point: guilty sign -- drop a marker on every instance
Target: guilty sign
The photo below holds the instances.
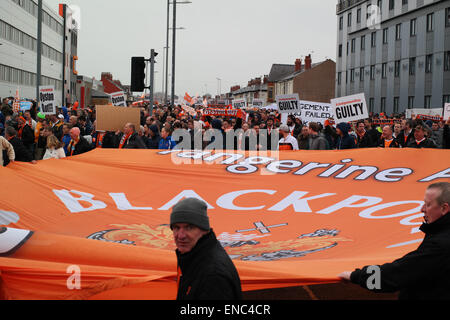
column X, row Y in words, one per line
column 350, row 108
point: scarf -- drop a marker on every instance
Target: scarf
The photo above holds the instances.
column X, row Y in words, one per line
column 72, row 145
column 124, row 140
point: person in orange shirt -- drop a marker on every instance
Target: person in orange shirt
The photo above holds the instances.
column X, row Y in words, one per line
column 387, row 140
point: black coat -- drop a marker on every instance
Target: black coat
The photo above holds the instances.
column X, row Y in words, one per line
column 427, row 143
column 208, row 272
column 364, row 142
column 394, row 144
column 22, row 153
column 446, row 140
column 27, row 136
column 134, row 142
column 81, row 147
column 422, row 274
column 401, row 138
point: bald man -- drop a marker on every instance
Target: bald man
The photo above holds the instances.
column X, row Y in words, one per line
column 78, row 144
column 387, row 139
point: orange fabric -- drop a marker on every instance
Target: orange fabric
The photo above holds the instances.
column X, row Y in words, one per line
column 291, row 228
column 387, row 143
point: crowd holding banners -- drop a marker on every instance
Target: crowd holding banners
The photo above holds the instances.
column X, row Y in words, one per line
column 252, row 129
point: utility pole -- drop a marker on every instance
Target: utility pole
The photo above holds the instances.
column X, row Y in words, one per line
column 167, row 53
column 39, row 51
column 172, row 100
column 153, row 55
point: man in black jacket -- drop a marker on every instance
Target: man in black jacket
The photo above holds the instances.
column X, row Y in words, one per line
column 420, row 140
column 129, row 139
column 207, row 272
column 423, row 273
column 21, row 152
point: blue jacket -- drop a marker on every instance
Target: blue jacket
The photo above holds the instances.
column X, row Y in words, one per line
column 166, row 144
column 346, row 141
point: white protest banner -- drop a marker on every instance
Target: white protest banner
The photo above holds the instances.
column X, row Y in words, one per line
column 240, row 104
column 350, row 108
column 258, row 103
column 288, row 103
column 118, row 99
column 47, row 100
column 424, row 112
column 446, row 111
column 315, row 111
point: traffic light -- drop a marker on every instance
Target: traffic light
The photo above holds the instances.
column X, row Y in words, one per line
column 137, row 74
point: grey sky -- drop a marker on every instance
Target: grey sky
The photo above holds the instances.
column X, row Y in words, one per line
column 234, row 40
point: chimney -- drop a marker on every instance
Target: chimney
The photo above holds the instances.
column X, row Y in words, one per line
column 298, row 65
column 308, row 62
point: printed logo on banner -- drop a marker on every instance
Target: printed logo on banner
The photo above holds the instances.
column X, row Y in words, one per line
column 47, row 100
column 288, row 103
column 246, row 247
column 350, row 108
column 118, row 99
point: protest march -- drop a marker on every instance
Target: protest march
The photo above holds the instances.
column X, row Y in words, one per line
column 93, row 190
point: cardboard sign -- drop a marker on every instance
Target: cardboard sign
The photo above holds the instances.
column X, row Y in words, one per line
column 446, row 111
column 115, row 118
column 350, row 108
column 240, row 104
column 25, row 105
column 118, row 99
column 47, row 100
column 288, row 103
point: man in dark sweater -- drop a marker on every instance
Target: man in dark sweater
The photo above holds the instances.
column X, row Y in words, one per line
column 423, row 273
column 206, row 272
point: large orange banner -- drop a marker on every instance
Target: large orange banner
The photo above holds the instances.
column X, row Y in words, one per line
column 95, row 226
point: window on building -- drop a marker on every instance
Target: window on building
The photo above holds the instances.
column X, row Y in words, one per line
column 358, row 16
column 340, row 50
column 411, row 102
column 383, row 105
column 341, row 23
column 445, row 99
column 352, row 75
column 447, row 61
column 447, row 17
column 385, row 35
column 396, row 104
column 397, row 69
column 349, row 19
column 412, row 27
column 363, row 42
column 412, row 66
column 372, row 72
column 429, row 63
column 339, row 78
column 373, row 39
column 398, row 31
column 404, row 2
column 361, row 74
column 384, row 70
column 427, row 102
column 353, row 45
column 391, row 4
column 346, row 76
column 380, row 4
column 371, row 105
column 430, row 22
column 348, row 47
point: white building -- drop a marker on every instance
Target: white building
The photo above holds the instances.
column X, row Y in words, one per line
column 18, row 49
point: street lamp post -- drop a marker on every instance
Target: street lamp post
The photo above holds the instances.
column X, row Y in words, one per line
column 39, row 50
column 174, row 27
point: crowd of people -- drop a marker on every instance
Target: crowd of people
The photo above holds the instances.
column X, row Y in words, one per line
column 31, row 136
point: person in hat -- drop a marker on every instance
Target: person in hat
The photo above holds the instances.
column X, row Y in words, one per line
column 287, row 142
column 205, row 271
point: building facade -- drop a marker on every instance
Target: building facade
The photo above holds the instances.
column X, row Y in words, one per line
column 18, row 51
column 397, row 52
column 311, row 81
column 256, row 89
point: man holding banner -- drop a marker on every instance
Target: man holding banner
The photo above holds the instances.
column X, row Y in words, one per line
column 423, row 273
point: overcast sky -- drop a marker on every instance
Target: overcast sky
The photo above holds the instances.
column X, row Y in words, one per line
column 234, row 40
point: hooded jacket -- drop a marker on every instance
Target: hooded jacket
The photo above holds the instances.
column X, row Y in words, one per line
column 346, row 141
column 421, row 274
column 207, row 272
